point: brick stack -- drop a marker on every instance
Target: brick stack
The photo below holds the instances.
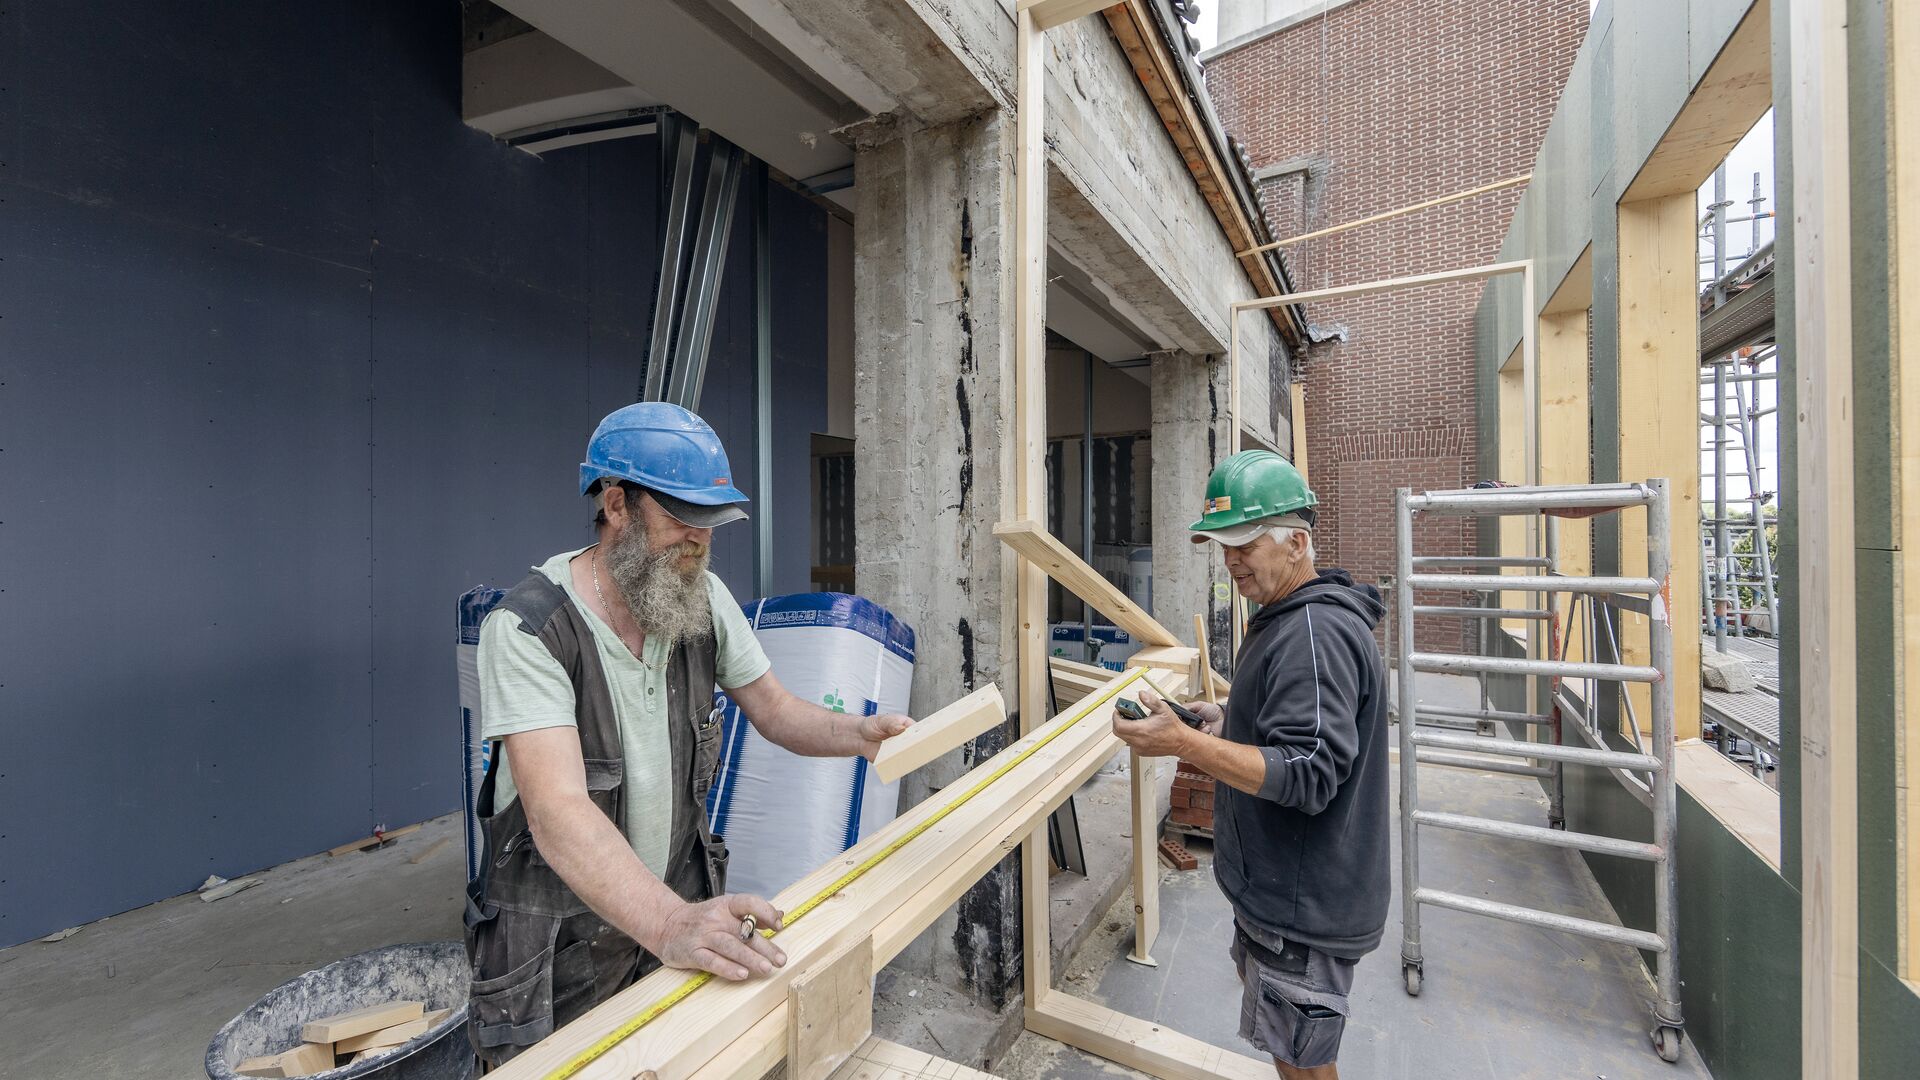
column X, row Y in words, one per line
column 1367, row 106
column 1192, row 800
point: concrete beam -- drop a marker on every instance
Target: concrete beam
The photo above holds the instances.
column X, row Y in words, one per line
column 690, row 57
column 933, row 391
column 1189, row 439
column 531, row 79
column 911, row 64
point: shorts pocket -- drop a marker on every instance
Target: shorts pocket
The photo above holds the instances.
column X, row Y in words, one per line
column 1298, row 1026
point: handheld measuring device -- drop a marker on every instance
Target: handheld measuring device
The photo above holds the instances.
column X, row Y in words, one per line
column 1133, row 710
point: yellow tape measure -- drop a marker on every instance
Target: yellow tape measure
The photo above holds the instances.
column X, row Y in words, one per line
column 680, row 993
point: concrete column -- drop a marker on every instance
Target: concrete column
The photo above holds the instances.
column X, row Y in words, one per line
column 1190, row 437
column 933, row 394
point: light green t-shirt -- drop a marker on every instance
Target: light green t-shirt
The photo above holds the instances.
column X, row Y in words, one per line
column 523, row 688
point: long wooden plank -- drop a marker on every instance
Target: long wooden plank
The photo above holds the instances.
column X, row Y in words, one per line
column 1073, row 681
column 1030, row 445
column 1388, row 215
column 1143, row 810
column 718, row 1014
column 1823, row 380
column 1178, row 658
column 1041, row 549
column 934, row 735
column 1206, row 659
column 1151, row 1048
column 1363, row 288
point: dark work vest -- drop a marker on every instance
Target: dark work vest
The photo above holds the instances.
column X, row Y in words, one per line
column 540, row 956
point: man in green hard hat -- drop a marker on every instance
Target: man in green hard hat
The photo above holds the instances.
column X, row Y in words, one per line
column 1300, row 752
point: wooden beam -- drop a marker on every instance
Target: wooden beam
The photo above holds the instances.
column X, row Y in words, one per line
column 1206, row 658
column 1029, row 452
column 1050, row 558
column 1073, row 681
column 1048, row 14
column 892, row 903
column 1659, row 430
column 1151, row 1048
column 830, row 1012
column 945, row 730
column 1458, row 196
column 1468, row 273
column 1144, row 813
column 1179, row 658
column 1823, row 382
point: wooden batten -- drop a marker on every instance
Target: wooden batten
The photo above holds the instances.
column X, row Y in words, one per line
column 1041, row 549
column 934, row 735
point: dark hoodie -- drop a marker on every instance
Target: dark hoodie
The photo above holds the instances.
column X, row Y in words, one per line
column 1306, row 859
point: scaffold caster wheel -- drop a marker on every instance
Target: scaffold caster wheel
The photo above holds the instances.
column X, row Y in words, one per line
column 1412, row 974
column 1666, row 1041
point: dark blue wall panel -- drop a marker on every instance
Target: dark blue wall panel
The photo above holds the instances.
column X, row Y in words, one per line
column 289, row 358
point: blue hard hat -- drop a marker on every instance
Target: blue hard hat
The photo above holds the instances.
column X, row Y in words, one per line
column 672, row 453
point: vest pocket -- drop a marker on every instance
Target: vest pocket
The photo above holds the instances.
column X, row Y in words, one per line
column 706, row 755
column 604, row 776
column 511, row 1011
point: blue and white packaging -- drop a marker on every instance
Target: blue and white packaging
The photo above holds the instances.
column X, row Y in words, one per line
column 1112, row 645
column 783, row 815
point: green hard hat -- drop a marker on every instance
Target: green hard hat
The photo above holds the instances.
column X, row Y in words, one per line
column 1248, row 489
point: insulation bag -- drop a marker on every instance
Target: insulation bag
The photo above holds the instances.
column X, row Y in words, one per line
column 783, row 815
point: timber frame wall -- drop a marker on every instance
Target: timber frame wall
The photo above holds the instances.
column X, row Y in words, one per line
column 1802, row 929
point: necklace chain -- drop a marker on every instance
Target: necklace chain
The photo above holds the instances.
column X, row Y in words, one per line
column 612, row 619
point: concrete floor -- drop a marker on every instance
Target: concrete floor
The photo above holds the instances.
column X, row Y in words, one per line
column 1499, row 1000
column 140, row 994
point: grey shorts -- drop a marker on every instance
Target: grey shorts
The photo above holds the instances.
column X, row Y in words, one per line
column 1293, row 1004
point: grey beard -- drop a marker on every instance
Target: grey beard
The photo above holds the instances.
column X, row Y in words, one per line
column 663, row 599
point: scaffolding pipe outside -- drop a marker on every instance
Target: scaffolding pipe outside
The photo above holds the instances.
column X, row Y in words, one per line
column 1421, row 745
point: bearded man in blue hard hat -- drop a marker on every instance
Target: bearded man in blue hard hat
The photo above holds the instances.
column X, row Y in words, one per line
column 596, row 687
column 1300, row 812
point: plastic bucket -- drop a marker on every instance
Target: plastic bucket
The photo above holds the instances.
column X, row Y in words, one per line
column 433, row 973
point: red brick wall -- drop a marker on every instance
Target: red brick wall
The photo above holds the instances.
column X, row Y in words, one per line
column 1394, row 102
